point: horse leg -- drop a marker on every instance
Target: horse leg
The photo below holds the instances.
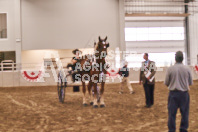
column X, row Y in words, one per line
column 95, row 103
column 84, row 94
column 90, row 93
column 102, row 104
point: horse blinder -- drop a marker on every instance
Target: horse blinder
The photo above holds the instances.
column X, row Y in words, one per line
column 107, row 45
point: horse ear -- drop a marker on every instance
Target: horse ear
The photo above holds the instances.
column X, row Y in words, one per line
column 105, row 38
column 99, row 38
column 94, row 43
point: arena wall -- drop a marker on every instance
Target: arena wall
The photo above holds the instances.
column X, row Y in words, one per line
column 38, row 56
column 68, row 24
column 76, row 24
column 65, row 25
column 15, row 78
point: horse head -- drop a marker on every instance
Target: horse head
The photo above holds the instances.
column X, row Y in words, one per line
column 102, row 45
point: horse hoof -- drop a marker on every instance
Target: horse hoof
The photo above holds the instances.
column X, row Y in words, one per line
column 95, row 106
column 91, row 103
column 102, row 106
column 85, row 105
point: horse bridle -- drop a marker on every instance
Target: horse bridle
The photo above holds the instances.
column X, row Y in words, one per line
column 105, row 45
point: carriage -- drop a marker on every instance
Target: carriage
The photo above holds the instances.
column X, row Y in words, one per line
column 63, row 84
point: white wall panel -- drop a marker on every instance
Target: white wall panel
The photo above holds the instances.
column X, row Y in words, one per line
column 155, row 49
column 154, row 23
column 68, row 24
column 155, row 46
column 8, row 79
column 1, row 78
column 193, row 25
column 7, row 6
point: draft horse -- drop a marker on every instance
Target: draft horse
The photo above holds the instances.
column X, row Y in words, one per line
column 95, row 74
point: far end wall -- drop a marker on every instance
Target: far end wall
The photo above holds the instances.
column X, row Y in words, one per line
column 68, row 24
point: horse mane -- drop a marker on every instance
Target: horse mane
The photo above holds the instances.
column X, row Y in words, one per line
column 86, row 57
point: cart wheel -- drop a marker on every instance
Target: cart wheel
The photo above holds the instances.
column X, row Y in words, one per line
column 61, row 85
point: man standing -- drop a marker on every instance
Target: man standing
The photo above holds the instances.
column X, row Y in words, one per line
column 178, row 79
column 147, row 72
column 124, row 72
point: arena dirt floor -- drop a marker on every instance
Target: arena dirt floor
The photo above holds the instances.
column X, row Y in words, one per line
column 37, row 109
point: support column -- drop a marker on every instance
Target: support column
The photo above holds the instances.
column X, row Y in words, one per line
column 122, row 44
column 193, row 26
column 18, row 44
column 187, row 42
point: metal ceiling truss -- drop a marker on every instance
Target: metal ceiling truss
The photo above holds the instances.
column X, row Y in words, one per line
column 163, row 7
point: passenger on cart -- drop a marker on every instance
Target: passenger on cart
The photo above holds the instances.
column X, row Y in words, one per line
column 74, row 63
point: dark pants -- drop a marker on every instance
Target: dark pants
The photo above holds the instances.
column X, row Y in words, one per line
column 181, row 100
column 73, row 77
column 149, row 93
